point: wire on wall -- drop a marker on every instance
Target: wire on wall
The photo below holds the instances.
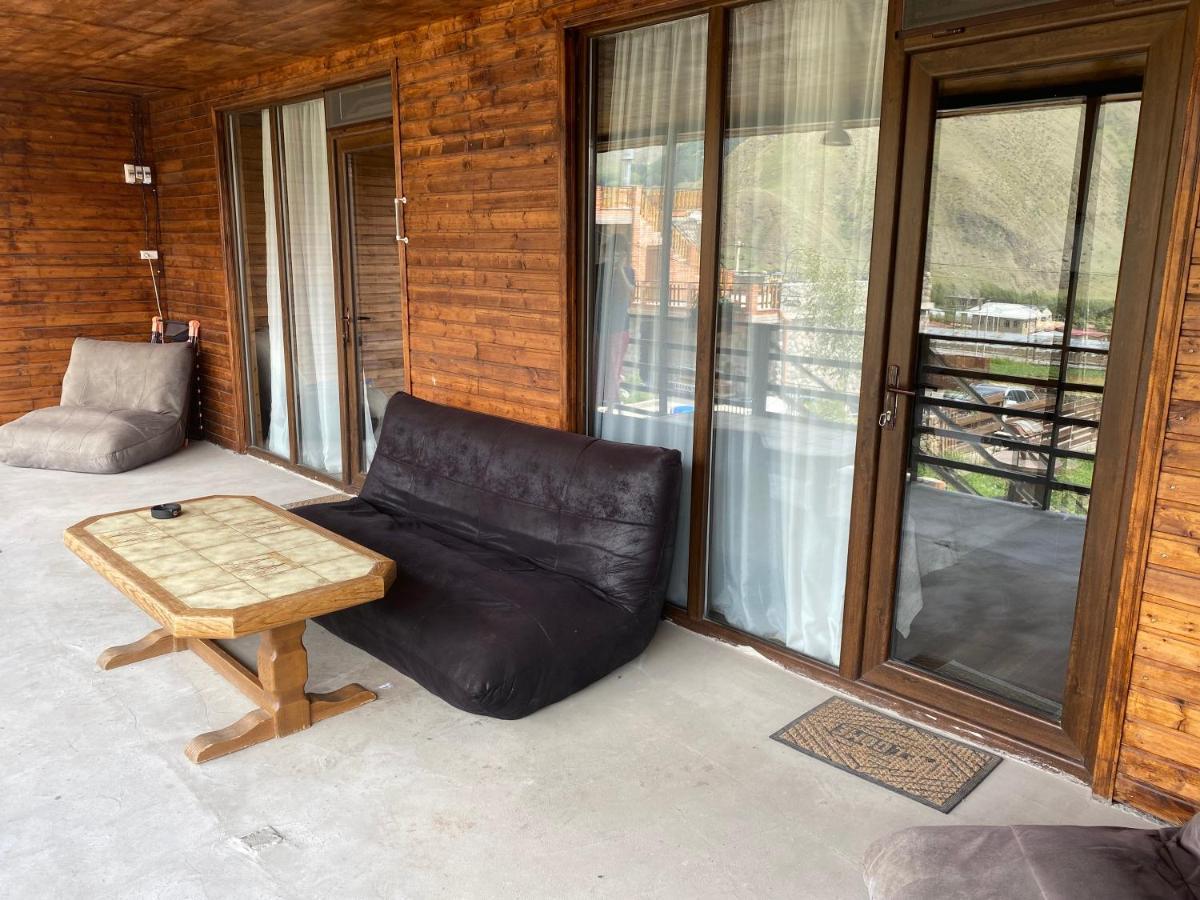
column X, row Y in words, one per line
column 138, row 120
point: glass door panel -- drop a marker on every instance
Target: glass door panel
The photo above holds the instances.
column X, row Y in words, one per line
column 644, row 243
column 1026, row 224
column 798, row 190
column 374, row 311
column 253, row 176
column 315, row 346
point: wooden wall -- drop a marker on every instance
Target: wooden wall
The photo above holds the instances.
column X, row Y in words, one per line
column 481, row 119
column 479, row 106
column 1160, row 753
column 71, row 231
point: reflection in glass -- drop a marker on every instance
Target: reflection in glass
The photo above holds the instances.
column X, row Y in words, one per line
column 645, row 236
column 799, row 164
column 923, row 13
column 1013, row 346
column 258, row 265
column 1104, row 225
column 370, row 178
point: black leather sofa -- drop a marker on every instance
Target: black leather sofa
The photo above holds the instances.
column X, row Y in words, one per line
column 530, row 562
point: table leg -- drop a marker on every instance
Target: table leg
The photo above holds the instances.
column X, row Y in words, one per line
column 285, row 707
column 156, row 643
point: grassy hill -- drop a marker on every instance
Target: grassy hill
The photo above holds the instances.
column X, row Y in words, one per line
column 1000, row 214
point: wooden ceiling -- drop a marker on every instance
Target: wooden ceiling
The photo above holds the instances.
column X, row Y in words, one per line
column 143, row 47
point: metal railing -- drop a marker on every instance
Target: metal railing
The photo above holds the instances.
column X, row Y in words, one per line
column 976, row 430
column 964, row 425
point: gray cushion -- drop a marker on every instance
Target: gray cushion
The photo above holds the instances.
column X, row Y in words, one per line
column 123, row 405
column 122, row 375
column 1054, row 862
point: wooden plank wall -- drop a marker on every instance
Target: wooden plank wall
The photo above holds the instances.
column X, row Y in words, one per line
column 71, row 231
column 479, row 105
column 1159, row 767
column 481, row 121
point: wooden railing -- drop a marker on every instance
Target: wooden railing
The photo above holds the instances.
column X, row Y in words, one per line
column 754, row 298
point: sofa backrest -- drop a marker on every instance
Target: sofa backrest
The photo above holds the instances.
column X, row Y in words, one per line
column 595, row 510
column 116, row 375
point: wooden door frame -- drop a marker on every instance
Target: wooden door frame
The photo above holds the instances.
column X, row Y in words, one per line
column 1155, row 39
column 342, row 142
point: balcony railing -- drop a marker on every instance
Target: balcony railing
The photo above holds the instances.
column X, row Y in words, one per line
column 756, row 298
column 1041, row 449
column 966, row 425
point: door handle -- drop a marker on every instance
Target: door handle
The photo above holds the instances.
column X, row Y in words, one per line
column 893, row 392
column 396, row 203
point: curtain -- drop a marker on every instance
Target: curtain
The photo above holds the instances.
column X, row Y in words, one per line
column 314, row 302
column 370, row 437
column 797, row 209
column 277, row 439
column 646, row 244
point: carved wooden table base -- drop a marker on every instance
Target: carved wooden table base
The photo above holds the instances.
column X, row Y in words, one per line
column 278, row 687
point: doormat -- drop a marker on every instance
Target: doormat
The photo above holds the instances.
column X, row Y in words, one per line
column 316, row 501
column 926, row 767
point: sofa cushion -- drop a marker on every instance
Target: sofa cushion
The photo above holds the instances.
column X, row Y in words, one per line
column 1053, row 862
column 116, row 375
column 597, row 511
column 487, row 631
column 87, row 439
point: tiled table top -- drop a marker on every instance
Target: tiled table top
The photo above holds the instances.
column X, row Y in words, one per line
column 224, row 554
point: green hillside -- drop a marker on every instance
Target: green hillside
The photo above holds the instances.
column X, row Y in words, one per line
column 1000, row 213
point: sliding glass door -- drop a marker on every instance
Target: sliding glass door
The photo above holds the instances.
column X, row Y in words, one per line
column 372, row 285
column 797, row 203
column 280, row 185
column 253, row 165
column 648, row 169
column 316, row 220
column 737, row 338
column 314, row 302
column 299, row 312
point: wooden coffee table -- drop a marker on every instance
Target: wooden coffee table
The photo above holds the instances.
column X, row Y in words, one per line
column 228, row 567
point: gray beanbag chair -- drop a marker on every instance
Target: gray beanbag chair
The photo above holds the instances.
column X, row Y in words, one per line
column 123, row 405
column 1046, row 862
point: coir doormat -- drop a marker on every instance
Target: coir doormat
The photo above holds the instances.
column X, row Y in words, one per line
column 927, row 767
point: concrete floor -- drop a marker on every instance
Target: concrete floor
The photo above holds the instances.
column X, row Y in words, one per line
column 660, row 781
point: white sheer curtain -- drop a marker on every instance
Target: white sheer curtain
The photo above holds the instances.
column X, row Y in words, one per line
column 277, row 440
column 797, row 207
column 649, row 167
column 369, row 436
column 314, row 303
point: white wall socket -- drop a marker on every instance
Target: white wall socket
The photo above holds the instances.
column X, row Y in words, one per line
column 137, row 174
column 149, row 254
